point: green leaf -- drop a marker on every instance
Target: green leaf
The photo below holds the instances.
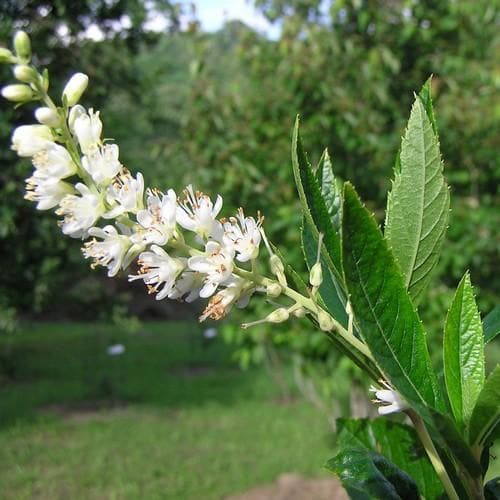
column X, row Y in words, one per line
column 331, row 190
column 491, row 324
column 486, row 414
column 385, row 314
column 313, row 204
column 417, row 207
column 450, row 435
column 399, row 443
column 492, row 489
column 426, row 98
column 463, row 352
column 369, row 475
column 330, row 292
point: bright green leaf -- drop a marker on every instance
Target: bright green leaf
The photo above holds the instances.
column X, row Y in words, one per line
column 385, row 314
column 491, row 324
column 417, row 207
column 486, row 414
column 368, row 475
column 426, row 98
column 331, row 189
column 463, row 352
column 399, row 443
column 313, row 205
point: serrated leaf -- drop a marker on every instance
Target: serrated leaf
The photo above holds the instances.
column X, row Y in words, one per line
column 486, row 414
column 491, row 324
column 331, row 190
column 418, row 205
column 330, row 292
column 463, row 353
column 368, row 475
column 425, row 96
column 385, row 314
column 313, row 204
column 399, row 443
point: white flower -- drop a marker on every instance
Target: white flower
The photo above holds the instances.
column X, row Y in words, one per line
column 88, row 128
column 158, row 220
column 159, row 271
column 30, row 139
column 48, row 116
column 127, row 193
column 46, row 191
column 112, row 252
column 244, row 233
column 197, row 213
column 80, row 212
column 389, row 400
column 187, row 286
column 217, row 264
column 102, row 163
column 53, row 161
column 238, row 291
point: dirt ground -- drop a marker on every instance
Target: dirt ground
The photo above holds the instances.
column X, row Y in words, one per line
column 295, row 487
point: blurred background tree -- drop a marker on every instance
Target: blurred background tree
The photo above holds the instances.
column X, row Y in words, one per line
column 216, row 110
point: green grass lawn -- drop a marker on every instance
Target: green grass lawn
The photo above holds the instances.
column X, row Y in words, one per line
column 170, row 418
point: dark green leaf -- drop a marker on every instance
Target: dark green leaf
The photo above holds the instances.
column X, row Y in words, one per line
column 463, row 352
column 418, row 205
column 486, row 414
column 491, row 324
column 330, row 292
column 313, row 204
column 456, row 443
column 366, row 475
column 399, row 443
column 385, row 314
column 492, row 489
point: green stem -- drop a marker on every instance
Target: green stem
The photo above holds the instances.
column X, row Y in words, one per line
column 432, row 453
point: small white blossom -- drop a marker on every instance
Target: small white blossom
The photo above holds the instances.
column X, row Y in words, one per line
column 47, row 116
column 88, row 128
column 187, row 286
column 80, row 212
column 158, row 220
column 46, row 191
column 53, row 161
column 244, row 233
column 236, row 292
column 159, row 271
column 112, row 252
column 217, row 264
column 102, row 163
column 389, row 400
column 126, row 193
column 197, row 213
column 28, row 140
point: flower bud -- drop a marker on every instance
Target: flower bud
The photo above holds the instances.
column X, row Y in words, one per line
column 22, row 46
column 277, row 266
column 17, row 93
column 325, row 321
column 278, row 316
column 273, row 290
column 75, row 88
column 25, row 73
column 300, row 312
column 48, row 116
column 316, row 275
column 6, row 56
